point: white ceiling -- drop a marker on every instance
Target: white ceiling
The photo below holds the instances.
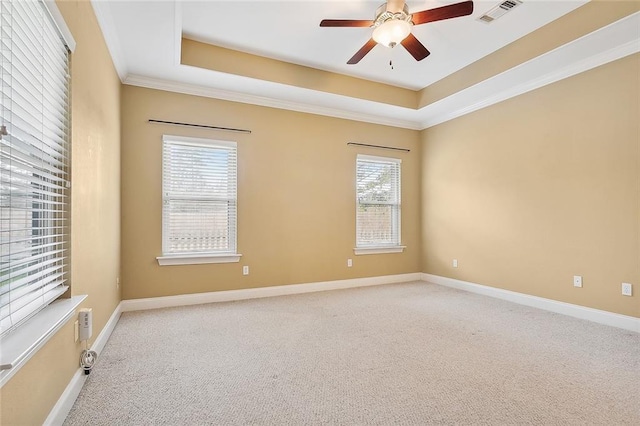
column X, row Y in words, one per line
column 144, row 40
column 290, row 31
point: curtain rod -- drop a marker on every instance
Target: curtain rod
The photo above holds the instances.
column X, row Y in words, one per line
column 379, row 146
column 203, row 126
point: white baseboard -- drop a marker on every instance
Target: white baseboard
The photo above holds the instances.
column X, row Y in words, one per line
column 602, row 317
column 103, row 337
column 68, row 397
column 255, row 293
column 59, row 412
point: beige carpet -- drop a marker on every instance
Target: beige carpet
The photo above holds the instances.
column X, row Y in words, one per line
column 406, row 354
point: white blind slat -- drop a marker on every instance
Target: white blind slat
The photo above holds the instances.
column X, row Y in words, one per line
column 27, row 297
column 17, row 137
column 31, row 259
column 10, row 154
column 34, row 161
column 25, row 171
column 14, row 143
column 199, row 197
column 18, row 288
column 23, row 249
column 24, row 181
column 21, row 311
column 378, row 201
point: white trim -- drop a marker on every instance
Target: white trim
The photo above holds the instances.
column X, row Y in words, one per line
column 378, row 250
column 26, row 340
column 245, row 98
column 595, row 315
column 597, row 48
column 379, row 159
column 199, row 141
column 380, row 247
column 59, row 412
column 68, row 397
column 197, row 259
column 171, row 257
column 103, row 337
column 52, row 7
column 616, row 41
column 177, row 33
column 102, row 10
column 256, row 293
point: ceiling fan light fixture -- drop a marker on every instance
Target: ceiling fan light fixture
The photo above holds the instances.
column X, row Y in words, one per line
column 393, row 23
column 391, row 32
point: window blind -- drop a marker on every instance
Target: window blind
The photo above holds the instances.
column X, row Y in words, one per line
column 199, row 196
column 34, row 161
column 378, row 201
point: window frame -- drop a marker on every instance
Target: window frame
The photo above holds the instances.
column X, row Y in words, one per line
column 381, row 248
column 204, row 257
column 27, row 337
column 37, row 158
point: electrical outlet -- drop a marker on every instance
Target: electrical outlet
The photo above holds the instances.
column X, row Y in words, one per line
column 349, row 263
column 76, row 331
column 117, row 282
column 577, row 281
column 245, row 270
column 455, row 263
column 627, row 289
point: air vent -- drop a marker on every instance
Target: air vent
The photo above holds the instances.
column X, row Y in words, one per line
column 499, row 10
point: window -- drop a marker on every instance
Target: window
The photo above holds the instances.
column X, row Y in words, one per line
column 199, row 181
column 378, row 205
column 34, row 161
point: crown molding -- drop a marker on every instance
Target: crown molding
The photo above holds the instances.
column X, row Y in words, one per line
column 614, row 41
column 609, row 43
column 215, row 93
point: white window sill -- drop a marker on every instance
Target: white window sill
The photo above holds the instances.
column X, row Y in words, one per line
column 20, row 345
column 198, row 259
column 378, row 250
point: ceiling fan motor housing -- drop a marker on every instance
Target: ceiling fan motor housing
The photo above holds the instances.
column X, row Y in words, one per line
column 383, row 15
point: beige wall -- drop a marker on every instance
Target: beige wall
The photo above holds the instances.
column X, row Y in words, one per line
column 578, row 23
column 216, row 58
column 296, row 200
column 524, row 194
column 536, row 189
column 95, row 214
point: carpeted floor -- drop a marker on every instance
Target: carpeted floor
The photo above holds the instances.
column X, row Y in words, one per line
column 410, row 354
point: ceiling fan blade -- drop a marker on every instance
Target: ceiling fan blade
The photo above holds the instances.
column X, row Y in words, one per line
column 363, row 51
column 345, row 23
column 444, row 12
column 413, row 46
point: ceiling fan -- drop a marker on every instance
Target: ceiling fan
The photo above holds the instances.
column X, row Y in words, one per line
column 392, row 26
